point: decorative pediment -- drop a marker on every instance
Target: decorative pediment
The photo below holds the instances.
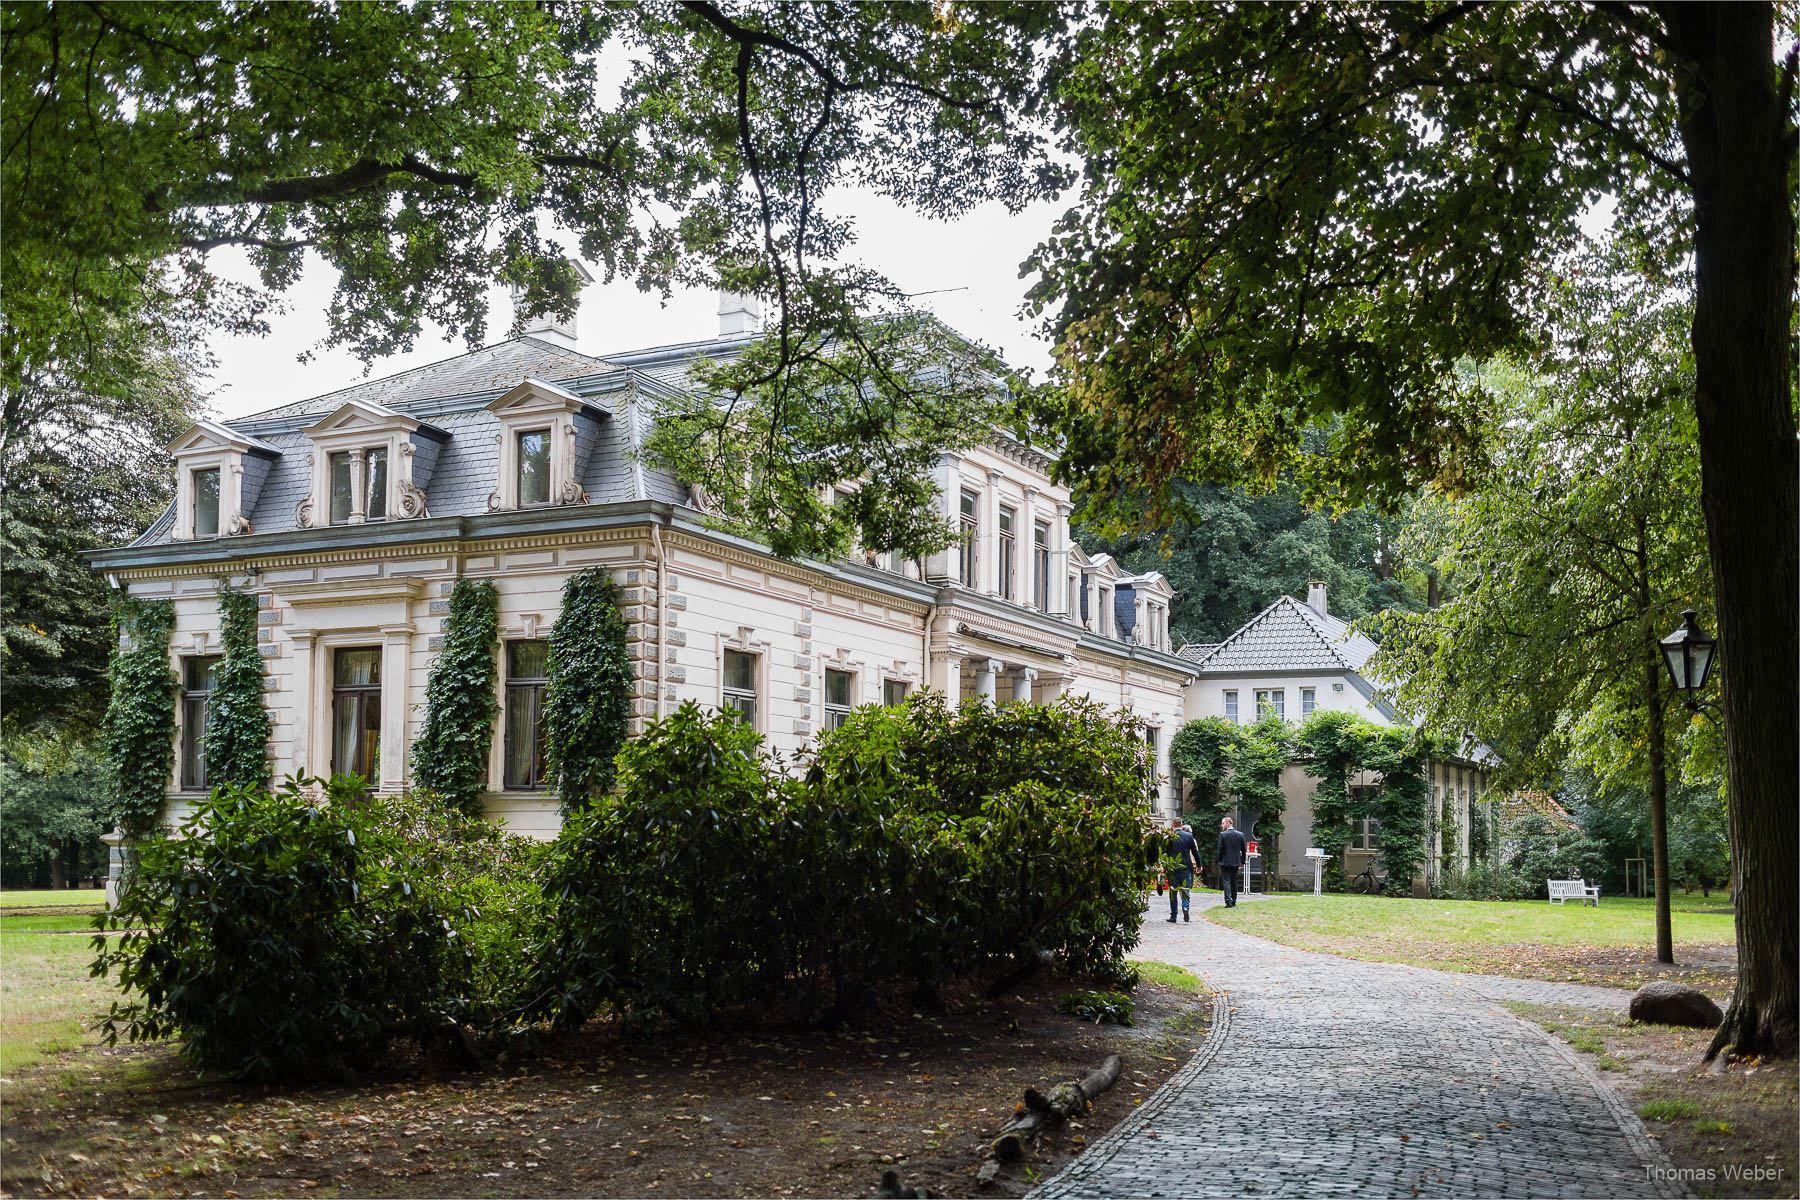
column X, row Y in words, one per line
column 203, row 437
column 360, row 417
column 535, row 397
column 1104, row 567
column 1151, row 583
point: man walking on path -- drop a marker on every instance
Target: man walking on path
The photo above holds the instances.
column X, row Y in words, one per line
column 1231, row 858
column 1185, row 852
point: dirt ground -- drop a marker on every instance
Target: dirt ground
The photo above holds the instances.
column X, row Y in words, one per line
column 605, row 1113
column 1732, row 1130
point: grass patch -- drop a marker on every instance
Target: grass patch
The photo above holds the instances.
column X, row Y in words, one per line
column 1470, row 922
column 75, row 899
column 1170, row 976
column 1612, row 946
column 43, row 922
column 47, row 999
column 1668, row 1110
column 1588, row 1041
column 1710, row 1125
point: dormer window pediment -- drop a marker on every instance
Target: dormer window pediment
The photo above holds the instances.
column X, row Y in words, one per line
column 218, row 474
column 547, row 434
column 369, row 463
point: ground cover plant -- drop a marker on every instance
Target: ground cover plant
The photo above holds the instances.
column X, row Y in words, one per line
column 1728, row 1127
column 1612, row 946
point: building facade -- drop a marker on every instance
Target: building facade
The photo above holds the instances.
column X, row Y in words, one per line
column 1295, row 658
column 353, row 514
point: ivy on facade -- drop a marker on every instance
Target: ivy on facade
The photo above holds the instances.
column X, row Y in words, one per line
column 1235, row 766
column 451, row 756
column 237, row 722
column 140, row 717
column 1337, row 746
column 587, row 704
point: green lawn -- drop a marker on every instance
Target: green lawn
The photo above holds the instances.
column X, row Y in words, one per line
column 81, row 899
column 1611, row 945
column 47, row 1001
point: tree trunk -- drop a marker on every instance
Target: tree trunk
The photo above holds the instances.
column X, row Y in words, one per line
column 1738, row 139
column 1065, row 1101
column 1659, row 801
column 57, row 880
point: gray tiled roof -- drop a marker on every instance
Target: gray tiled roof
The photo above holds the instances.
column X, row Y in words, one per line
column 1197, row 651
column 498, row 366
column 1288, row 636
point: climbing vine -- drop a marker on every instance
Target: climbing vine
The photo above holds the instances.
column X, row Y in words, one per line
column 1331, row 742
column 1202, row 752
column 451, row 755
column 1397, row 756
column 140, row 718
column 1231, row 765
column 1266, row 750
column 237, row 723
column 1447, row 831
column 587, row 704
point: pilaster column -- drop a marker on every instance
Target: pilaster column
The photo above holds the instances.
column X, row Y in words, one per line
column 990, row 536
column 395, row 653
column 1059, row 561
column 946, row 676
column 304, row 705
column 358, row 486
column 944, row 566
column 1027, row 535
column 986, row 671
column 1023, row 678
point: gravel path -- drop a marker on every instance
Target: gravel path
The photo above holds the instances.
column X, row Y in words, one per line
column 1327, row 1076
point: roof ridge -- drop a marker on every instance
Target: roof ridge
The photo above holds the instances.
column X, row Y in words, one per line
column 1310, row 616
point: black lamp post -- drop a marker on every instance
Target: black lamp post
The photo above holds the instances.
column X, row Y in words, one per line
column 1688, row 653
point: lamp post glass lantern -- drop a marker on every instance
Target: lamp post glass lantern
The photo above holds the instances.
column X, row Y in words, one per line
column 1688, row 653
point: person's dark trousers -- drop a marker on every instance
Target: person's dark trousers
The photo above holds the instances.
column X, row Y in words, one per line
column 1228, row 880
column 1181, row 880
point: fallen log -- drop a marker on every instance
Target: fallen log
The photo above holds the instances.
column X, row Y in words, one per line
column 1065, row 1101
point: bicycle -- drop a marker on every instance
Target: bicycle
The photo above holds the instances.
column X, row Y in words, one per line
column 1366, row 884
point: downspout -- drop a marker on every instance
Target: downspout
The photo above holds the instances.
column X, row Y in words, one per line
column 662, row 607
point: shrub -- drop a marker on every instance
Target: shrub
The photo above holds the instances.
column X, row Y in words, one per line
column 918, row 844
column 287, row 934
column 1479, row 882
column 1098, row 1007
column 1541, row 851
column 451, row 755
column 237, row 722
column 587, row 703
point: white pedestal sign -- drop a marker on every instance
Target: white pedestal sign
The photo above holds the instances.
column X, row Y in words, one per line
column 1318, row 857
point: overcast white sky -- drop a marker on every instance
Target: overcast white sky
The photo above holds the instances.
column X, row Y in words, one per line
column 980, row 254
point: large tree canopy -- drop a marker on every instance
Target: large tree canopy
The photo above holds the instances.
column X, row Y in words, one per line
column 1299, row 217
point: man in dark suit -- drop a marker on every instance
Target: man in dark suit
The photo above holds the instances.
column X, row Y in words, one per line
column 1184, row 858
column 1231, row 860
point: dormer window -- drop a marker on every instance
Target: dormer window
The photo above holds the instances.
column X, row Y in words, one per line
column 369, row 464
column 547, row 434
column 206, row 503
column 534, row 467
column 219, row 474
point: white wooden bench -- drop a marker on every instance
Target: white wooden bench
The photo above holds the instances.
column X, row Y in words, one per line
column 1572, row 889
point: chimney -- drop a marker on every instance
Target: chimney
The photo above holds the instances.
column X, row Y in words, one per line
column 1315, row 596
column 739, row 314
column 547, row 327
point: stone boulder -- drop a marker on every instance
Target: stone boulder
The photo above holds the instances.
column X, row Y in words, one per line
column 1667, row 1003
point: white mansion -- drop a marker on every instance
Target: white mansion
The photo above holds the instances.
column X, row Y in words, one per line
column 352, row 514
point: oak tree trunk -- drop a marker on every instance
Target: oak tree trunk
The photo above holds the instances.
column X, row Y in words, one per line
column 1740, row 148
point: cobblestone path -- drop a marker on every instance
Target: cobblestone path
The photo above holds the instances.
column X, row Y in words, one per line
column 1324, row 1076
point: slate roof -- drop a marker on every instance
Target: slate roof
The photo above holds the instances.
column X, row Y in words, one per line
column 498, row 366
column 1289, row 635
column 1196, row 652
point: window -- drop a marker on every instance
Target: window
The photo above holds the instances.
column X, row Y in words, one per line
column 341, row 488
column 1103, row 618
column 200, row 674
column 534, row 467
column 1008, row 552
column 971, row 529
column 838, row 686
column 356, row 712
column 375, row 471
column 1275, row 699
column 527, row 675
column 893, row 691
column 1307, row 701
column 1231, row 712
column 1150, row 746
column 206, row 503
column 1085, row 583
column 740, row 685
column 1365, row 834
column 1040, row 565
